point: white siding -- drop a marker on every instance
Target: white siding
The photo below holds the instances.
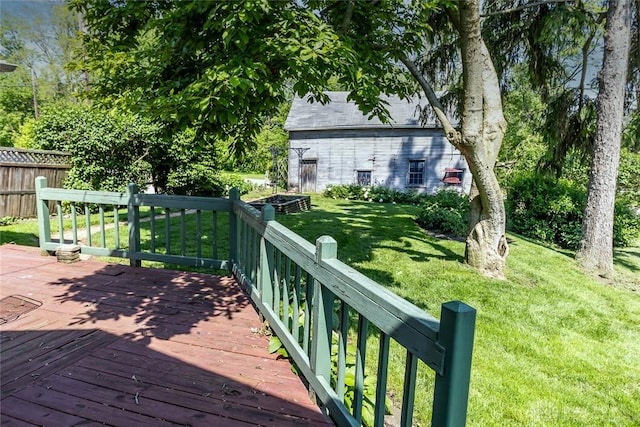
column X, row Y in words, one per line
column 385, row 152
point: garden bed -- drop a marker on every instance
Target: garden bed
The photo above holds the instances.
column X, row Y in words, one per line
column 284, row 203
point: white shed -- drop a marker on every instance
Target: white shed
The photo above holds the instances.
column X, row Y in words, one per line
column 336, row 143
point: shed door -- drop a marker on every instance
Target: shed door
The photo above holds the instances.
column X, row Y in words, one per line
column 309, row 173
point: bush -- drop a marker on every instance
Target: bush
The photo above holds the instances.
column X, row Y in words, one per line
column 372, row 194
column 626, row 224
column 445, row 212
column 551, row 210
column 108, row 151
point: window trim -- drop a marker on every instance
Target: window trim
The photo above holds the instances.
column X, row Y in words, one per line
column 359, row 171
column 411, row 174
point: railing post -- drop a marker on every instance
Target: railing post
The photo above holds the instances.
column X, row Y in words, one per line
column 234, row 196
column 133, row 219
column 265, row 263
column 322, row 315
column 42, row 208
column 451, row 394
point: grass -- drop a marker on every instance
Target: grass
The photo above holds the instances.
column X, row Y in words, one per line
column 553, row 346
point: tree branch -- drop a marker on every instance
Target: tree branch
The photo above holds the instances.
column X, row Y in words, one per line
column 452, row 134
column 347, row 17
column 524, row 6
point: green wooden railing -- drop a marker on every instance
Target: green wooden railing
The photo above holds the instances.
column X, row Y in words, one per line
column 323, row 311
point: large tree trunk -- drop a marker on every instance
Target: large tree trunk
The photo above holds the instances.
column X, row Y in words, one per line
column 483, row 127
column 479, row 140
column 595, row 253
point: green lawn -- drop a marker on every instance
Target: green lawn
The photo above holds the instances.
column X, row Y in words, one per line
column 553, row 346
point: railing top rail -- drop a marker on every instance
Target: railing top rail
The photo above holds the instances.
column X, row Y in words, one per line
column 138, row 199
column 397, row 317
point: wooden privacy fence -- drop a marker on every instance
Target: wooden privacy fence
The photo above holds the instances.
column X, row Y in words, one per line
column 18, row 169
column 323, row 311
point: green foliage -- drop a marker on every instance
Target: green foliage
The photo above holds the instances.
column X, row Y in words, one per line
column 631, row 134
column 369, row 381
column 237, row 60
column 445, row 212
column 108, row 150
column 546, row 209
column 259, row 159
column 372, row 194
column 551, row 210
column 626, row 225
column 523, row 145
column 16, row 104
column 629, row 177
column 8, row 220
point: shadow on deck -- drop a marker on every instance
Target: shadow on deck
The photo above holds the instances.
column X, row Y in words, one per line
column 116, row 345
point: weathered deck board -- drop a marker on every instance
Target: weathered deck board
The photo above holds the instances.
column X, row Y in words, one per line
column 122, row 346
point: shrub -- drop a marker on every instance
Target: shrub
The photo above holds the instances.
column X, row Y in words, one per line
column 445, row 212
column 373, row 194
column 551, row 210
column 626, row 224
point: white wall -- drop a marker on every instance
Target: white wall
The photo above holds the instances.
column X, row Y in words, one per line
column 386, row 152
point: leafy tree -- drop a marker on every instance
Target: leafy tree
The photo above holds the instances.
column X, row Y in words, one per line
column 108, row 151
column 40, row 38
column 218, row 66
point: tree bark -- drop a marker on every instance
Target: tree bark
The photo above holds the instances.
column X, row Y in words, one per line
column 483, row 127
column 479, row 140
column 595, row 253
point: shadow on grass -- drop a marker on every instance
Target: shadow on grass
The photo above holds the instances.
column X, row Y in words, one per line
column 361, row 227
column 623, row 257
column 17, row 238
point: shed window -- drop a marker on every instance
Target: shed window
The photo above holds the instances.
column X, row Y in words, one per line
column 364, row 178
column 416, row 172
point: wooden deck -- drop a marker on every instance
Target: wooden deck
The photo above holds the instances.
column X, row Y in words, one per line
column 115, row 345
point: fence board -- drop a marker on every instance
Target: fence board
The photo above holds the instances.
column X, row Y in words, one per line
column 18, row 171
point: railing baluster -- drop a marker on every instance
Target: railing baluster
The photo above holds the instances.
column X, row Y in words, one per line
column 167, row 230
column 308, row 299
column 361, row 355
column 183, row 243
column 87, row 222
column 198, row 233
column 251, row 256
column 214, row 235
column 244, row 245
column 409, row 393
column 74, row 224
column 276, row 282
column 265, row 262
column 152, row 226
column 133, row 225
column 285, row 293
column 342, row 349
column 103, row 238
column 60, row 223
column 116, row 224
column 381, row 383
column 296, row 304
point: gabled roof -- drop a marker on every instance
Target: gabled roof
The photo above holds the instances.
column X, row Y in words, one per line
column 343, row 114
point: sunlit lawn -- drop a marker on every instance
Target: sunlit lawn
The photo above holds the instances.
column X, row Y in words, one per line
column 553, row 346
